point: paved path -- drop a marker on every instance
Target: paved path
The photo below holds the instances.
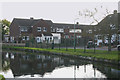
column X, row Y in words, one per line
column 97, row 48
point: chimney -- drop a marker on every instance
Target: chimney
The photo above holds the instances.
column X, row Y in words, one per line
column 41, row 19
column 77, row 22
column 31, row 18
column 115, row 12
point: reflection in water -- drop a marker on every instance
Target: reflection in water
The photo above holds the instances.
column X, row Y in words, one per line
column 0, row 61
column 50, row 66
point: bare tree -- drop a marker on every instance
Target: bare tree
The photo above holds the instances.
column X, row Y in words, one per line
column 97, row 29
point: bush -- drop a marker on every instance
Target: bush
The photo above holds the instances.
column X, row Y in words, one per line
column 2, row 77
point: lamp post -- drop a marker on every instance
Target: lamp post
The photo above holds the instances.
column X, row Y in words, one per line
column 109, row 34
column 74, row 35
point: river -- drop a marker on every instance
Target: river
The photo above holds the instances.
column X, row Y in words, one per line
column 39, row 65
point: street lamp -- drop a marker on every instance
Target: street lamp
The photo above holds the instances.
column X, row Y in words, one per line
column 74, row 35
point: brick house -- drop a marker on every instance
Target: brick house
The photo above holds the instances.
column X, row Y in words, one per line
column 24, row 29
column 109, row 26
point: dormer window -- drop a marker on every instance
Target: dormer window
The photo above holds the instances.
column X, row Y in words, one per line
column 39, row 29
column 44, row 29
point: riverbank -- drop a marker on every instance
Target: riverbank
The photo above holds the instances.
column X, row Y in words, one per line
column 100, row 55
column 2, row 77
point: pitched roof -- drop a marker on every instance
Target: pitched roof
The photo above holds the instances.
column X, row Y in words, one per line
column 29, row 22
column 61, row 25
column 25, row 22
column 49, row 22
column 111, row 18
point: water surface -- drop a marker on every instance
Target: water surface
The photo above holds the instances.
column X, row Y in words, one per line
column 22, row 65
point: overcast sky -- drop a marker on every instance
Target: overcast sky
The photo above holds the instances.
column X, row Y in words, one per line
column 58, row 12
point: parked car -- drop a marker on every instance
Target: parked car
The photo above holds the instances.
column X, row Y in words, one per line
column 90, row 44
column 118, row 47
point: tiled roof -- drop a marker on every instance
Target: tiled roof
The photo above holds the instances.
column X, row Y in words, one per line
column 29, row 22
column 61, row 25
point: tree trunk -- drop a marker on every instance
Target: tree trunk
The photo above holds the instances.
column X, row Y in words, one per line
column 109, row 43
column 94, row 45
column 66, row 43
column 84, row 45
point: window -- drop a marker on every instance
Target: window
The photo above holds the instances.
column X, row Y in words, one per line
column 52, row 30
column 99, row 37
column 50, row 38
column 76, row 30
column 55, row 37
column 23, row 38
column 45, row 38
column 39, row 29
column 60, row 30
column 44, row 29
column 112, row 26
column 78, row 36
column 24, row 29
column 90, row 31
column 27, row 37
column 66, row 36
column 37, row 38
column 12, row 39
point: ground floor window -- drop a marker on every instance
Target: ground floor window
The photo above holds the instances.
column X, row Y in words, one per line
column 25, row 38
column 12, row 39
column 38, row 39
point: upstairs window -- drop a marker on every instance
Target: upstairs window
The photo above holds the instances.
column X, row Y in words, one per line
column 44, row 29
column 60, row 30
column 52, row 30
column 76, row 30
column 90, row 31
column 39, row 29
column 99, row 37
column 23, row 29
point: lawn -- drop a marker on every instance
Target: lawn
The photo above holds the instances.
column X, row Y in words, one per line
column 113, row 55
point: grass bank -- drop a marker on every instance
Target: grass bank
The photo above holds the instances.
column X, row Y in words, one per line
column 101, row 54
column 2, row 77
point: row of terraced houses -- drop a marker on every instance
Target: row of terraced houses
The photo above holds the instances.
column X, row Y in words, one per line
column 47, row 31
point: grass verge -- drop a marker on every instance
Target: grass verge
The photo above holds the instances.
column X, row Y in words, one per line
column 101, row 54
column 2, row 77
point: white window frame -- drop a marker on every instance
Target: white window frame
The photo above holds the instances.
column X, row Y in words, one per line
column 39, row 29
column 23, row 38
column 60, row 30
column 27, row 38
column 90, row 30
column 52, row 30
column 23, row 29
column 44, row 29
column 76, row 31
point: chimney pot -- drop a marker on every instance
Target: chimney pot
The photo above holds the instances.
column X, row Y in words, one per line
column 31, row 18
